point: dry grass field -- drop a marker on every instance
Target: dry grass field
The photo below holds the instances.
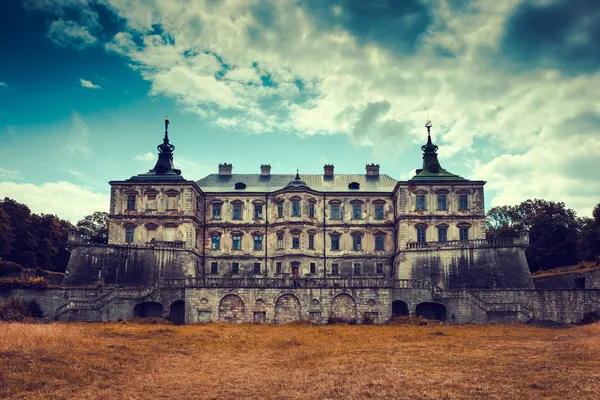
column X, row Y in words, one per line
column 132, row 361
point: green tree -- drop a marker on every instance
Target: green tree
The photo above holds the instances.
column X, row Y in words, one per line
column 589, row 237
column 24, row 246
column 94, row 228
column 52, row 235
column 553, row 228
column 7, row 236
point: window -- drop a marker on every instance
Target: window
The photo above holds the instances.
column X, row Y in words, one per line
column 378, row 212
column 237, row 242
column 278, row 268
column 280, row 240
column 463, row 232
column 335, row 242
column 258, row 211
column 356, row 242
column 296, row 241
column 129, row 234
column 335, row 269
column 311, row 210
column 257, row 268
column 235, row 268
column 295, row 208
column 313, row 268
column 379, row 268
column 356, row 211
column 216, row 211
column 172, row 200
column 379, row 242
column 421, row 238
column 215, row 242
column 151, row 202
column 420, row 202
column 442, row 202
column 335, row 211
column 356, row 269
column 131, row 202
column 258, row 242
column 311, row 241
column 279, row 210
column 214, row 268
column 463, row 202
column 442, row 234
column 237, row 211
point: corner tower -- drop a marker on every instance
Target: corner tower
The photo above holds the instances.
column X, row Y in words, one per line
column 159, row 207
column 442, row 233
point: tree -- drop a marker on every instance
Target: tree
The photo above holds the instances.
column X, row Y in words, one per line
column 94, row 228
column 553, row 231
column 7, row 236
column 589, row 237
column 24, row 246
column 52, row 235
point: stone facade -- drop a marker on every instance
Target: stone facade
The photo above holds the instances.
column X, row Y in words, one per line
column 266, row 248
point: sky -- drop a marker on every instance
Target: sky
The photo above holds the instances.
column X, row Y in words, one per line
column 512, row 89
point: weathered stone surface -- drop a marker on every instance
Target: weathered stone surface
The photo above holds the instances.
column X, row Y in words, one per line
column 287, row 309
column 232, row 309
column 343, row 308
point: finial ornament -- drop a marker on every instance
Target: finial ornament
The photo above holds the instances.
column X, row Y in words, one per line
column 166, row 147
column 297, row 173
column 428, row 126
column 429, row 147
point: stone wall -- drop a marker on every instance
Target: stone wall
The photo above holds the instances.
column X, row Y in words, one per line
column 578, row 280
column 128, row 265
column 467, row 267
column 318, row 305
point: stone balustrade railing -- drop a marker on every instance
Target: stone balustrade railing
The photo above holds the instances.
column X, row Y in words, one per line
column 332, row 282
column 501, row 242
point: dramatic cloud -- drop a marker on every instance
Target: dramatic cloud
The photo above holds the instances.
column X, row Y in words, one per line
column 64, row 199
column 513, row 75
column 70, row 33
column 88, row 84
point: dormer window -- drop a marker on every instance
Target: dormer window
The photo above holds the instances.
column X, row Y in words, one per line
column 354, row 186
column 240, row 186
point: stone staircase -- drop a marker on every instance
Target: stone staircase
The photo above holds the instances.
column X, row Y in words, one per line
column 99, row 302
column 439, row 294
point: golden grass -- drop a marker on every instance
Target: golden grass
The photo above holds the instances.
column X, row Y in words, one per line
column 583, row 266
column 132, row 361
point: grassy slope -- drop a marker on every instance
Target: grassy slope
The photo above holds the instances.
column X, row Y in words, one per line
column 89, row 361
column 570, row 269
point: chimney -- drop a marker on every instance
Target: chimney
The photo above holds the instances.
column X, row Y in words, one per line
column 328, row 170
column 225, row 169
column 265, row 170
column 372, row 169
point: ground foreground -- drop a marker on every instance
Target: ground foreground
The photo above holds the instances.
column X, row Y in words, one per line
column 131, row 361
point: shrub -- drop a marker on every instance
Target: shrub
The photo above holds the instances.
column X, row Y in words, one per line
column 590, row 317
column 14, row 310
column 34, row 309
column 7, row 267
column 23, row 283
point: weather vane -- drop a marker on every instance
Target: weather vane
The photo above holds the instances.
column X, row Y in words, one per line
column 428, row 126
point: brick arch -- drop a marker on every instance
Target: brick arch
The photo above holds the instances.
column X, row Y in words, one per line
column 287, row 309
column 232, row 309
column 343, row 308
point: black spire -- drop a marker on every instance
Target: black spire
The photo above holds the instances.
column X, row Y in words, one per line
column 164, row 168
column 432, row 170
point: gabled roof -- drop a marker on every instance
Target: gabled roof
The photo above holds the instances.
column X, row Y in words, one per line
column 256, row 183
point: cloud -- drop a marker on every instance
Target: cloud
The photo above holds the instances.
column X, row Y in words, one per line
column 78, row 140
column 3, row 85
column 70, row 33
column 148, row 157
column 64, row 199
column 9, row 174
column 88, row 84
column 562, row 34
column 376, row 71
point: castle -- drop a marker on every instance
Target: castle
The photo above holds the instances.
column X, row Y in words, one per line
column 324, row 247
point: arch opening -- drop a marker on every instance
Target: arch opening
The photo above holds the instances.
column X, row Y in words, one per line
column 287, row 309
column 177, row 312
column 431, row 311
column 150, row 309
column 232, row 309
column 399, row 308
column 343, row 309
